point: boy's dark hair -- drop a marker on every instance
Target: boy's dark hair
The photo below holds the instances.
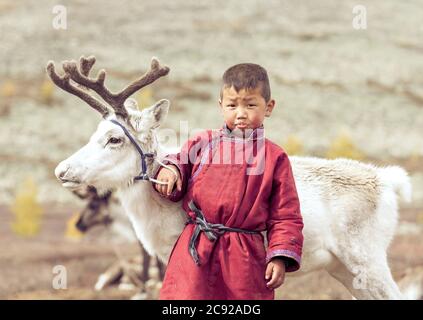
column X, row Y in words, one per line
column 247, row 76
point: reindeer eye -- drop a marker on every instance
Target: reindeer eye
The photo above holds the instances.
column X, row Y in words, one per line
column 113, row 140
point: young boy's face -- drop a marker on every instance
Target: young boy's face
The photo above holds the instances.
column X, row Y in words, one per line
column 244, row 109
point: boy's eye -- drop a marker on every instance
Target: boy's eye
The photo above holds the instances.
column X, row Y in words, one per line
column 251, row 105
column 231, row 106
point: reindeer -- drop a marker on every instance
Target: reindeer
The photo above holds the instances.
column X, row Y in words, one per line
column 350, row 209
column 105, row 210
column 97, row 210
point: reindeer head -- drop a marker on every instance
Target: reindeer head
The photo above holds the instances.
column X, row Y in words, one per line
column 110, row 159
column 96, row 212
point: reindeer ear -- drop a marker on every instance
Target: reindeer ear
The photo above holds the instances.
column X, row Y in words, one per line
column 151, row 117
column 160, row 110
column 131, row 104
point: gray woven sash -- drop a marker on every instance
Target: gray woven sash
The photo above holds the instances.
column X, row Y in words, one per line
column 212, row 230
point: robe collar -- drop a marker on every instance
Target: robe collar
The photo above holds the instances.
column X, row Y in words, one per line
column 255, row 134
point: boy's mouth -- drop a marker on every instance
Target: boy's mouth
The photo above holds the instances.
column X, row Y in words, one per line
column 241, row 125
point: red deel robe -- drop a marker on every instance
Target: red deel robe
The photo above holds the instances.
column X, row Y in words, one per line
column 238, row 182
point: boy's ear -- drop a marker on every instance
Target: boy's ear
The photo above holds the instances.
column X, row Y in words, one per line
column 269, row 108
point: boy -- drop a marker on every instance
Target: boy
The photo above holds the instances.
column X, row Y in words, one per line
column 234, row 184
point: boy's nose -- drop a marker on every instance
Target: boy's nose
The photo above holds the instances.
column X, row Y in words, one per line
column 241, row 114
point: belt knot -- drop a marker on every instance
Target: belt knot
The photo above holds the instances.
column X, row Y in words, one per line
column 211, row 230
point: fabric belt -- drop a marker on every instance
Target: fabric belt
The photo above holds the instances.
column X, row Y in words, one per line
column 212, row 230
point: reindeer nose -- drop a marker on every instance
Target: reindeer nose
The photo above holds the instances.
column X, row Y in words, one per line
column 61, row 170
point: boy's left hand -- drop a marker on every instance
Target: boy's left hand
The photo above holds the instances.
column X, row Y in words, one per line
column 275, row 271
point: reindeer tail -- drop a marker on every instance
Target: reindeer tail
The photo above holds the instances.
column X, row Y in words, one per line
column 398, row 178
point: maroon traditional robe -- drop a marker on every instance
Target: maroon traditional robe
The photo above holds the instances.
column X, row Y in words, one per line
column 244, row 183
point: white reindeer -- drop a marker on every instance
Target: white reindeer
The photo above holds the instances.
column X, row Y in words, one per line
column 349, row 209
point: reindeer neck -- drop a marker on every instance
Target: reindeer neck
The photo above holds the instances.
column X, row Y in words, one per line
column 140, row 198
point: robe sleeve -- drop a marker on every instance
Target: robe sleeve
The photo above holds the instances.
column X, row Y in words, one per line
column 184, row 161
column 285, row 223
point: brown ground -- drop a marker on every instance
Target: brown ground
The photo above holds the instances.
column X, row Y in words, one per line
column 26, row 264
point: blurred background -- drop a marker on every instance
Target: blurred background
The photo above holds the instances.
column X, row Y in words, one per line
column 340, row 92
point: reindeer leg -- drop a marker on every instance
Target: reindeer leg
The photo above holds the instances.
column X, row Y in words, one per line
column 162, row 269
column 145, row 264
column 366, row 279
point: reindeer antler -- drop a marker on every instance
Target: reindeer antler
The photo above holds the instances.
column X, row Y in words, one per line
column 63, row 82
column 115, row 100
column 86, row 64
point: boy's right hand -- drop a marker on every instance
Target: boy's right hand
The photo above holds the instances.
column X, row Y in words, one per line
column 166, row 175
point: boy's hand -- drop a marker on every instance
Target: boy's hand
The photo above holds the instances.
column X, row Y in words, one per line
column 275, row 271
column 166, row 175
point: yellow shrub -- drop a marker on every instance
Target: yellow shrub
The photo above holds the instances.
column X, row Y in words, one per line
column 27, row 211
column 343, row 147
column 7, row 89
column 47, row 91
column 293, row 146
column 144, row 98
column 71, row 231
